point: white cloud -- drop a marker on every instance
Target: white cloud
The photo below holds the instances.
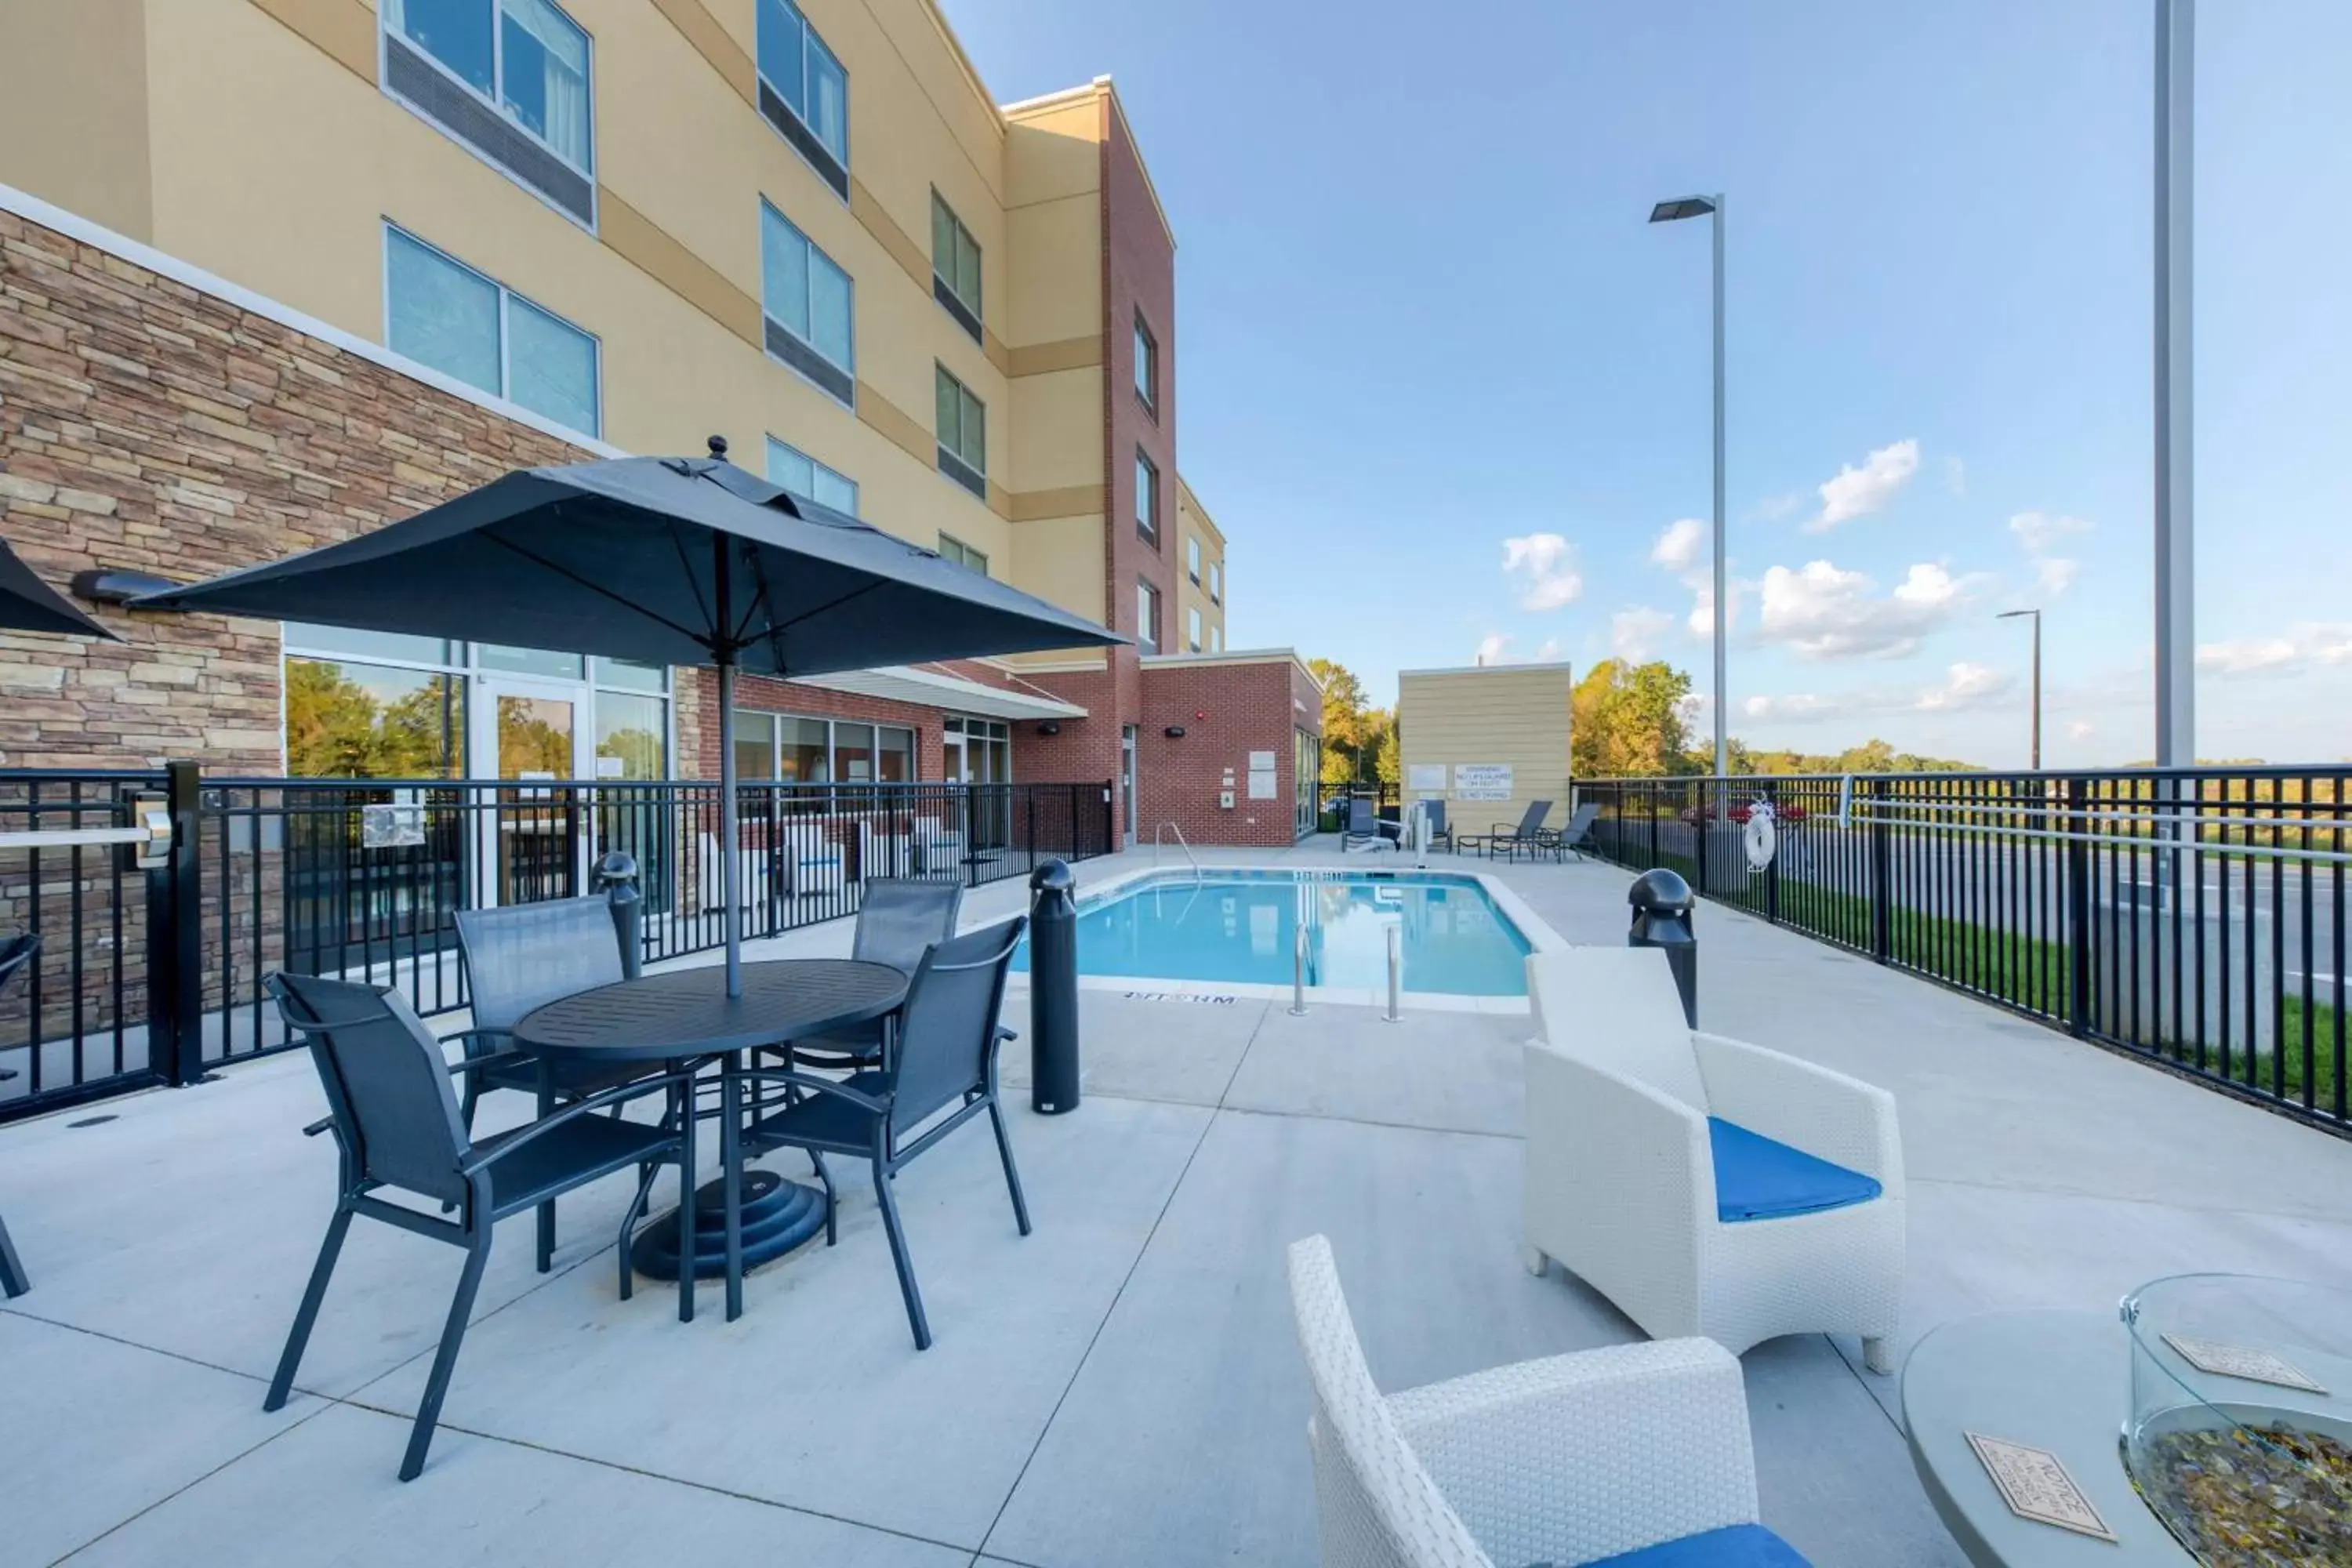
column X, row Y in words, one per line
column 1677, row 548
column 1773, row 509
column 1858, row 492
column 1821, row 612
column 1495, row 647
column 2303, row 645
column 2037, row 532
column 1549, row 564
column 1701, row 623
column 2081, row 730
column 2251, row 656
column 1634, row 633
column 1964, row 687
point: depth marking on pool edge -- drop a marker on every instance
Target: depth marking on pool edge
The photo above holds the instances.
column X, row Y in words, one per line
column 1179, row 996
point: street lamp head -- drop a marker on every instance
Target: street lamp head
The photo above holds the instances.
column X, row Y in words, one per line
column 1686, row 206
column 2013, row 614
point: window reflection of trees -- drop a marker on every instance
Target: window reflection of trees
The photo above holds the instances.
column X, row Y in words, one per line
column 358, row 721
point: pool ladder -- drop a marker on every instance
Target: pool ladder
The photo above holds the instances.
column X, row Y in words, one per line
column 1159, row 838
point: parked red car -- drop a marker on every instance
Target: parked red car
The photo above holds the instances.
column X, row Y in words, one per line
column 1782, row 811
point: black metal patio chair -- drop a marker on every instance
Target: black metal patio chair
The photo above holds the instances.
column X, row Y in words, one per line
column 1366, row 830
column 945, row 1056
column 520, row 957
column 1576, row 838
column 899, row 920
column 397, row 1124
column 16, row 956
column 1528, row 833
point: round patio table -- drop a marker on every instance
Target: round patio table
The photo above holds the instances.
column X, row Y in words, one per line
column 2049, row 1380
column 685, row 1014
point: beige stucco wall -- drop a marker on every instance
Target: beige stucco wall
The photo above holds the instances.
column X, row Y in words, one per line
column 1193, row 521
column 73, row 108
column 251, row 138
column 1514, row 714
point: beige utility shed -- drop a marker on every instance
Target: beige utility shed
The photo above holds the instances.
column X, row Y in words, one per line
column 1486, row 739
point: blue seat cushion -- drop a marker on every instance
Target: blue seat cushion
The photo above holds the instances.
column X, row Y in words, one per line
column 1739, row 1546
column 1757, row 1177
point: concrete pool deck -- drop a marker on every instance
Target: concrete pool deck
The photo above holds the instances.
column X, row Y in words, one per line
column 1124, row 1387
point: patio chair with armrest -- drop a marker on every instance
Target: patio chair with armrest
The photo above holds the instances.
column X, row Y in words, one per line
column 1705, row 1185
column 1434, row 822
column 519, row 958
column 1576, row 838
column 397, row 1125
column 1630, row 1456
column 945, row 1058
column 1365, row 829
column 899, row 920
column 1529, row 832
column 16, row 956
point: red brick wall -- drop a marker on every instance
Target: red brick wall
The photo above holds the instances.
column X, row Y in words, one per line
column 1227, row 711
column 147, row 426
column 1139, row 276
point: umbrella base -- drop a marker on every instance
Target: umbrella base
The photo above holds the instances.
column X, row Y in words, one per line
column 778, row 1216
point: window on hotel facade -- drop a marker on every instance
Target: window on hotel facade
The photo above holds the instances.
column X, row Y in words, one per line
column 786, row 749
column 510, row 78
column 962, row 434
column 955, row 266
column 441, row 312
column 1147, row 498
column 1193, row 630
column 1192, row 559
column 809, row 304
column 804, row 476
column 1147, row 617
column 1216, row 639
column 1216, row 583
column 389, row 705
column 963, row 554
column 803, row 92
column 1147, row 366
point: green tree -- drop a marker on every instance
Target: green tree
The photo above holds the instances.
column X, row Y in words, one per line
column 1626, row 720
column 1347, row 722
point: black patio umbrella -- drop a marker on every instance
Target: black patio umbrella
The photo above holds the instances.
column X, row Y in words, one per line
column 29, row 604
column 662, row 560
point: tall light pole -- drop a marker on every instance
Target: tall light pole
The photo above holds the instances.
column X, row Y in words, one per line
column 2011, row 615
column 2175, row 564
column 1669, row 212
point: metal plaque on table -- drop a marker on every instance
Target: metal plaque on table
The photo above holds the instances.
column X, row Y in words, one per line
column 2036, row 1485
column 2240, row 1360
column 394, row 826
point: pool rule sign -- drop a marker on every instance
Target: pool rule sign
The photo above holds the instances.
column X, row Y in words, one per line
column 1482, row 781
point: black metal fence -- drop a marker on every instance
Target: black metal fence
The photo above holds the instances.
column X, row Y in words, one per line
column 2194, row 918
column 152, row 975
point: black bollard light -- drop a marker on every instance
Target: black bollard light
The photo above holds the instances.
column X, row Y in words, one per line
column 1052, row 989
column 616, row 873
column 1662, row 919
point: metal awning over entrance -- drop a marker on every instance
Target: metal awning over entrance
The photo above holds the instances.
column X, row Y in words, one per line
column 932, row 688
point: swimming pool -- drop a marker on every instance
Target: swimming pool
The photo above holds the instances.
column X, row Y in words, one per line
column 1237, row 927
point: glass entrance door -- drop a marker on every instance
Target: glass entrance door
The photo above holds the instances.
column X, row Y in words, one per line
column 531, row 735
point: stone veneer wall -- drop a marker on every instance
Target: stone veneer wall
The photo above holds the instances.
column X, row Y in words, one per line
column 148, row 424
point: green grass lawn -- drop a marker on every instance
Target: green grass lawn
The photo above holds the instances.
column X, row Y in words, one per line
column 2030, row 973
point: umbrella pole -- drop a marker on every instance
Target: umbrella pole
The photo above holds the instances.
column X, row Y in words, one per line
column 731, row 853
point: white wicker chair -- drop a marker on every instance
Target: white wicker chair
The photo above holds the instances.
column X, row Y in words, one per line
column 1572, row 1460
column 1622, row 1178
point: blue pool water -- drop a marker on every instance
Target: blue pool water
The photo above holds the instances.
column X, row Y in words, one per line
column 1237, row 927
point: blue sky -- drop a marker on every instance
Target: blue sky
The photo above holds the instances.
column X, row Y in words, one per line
column 1421, row 316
